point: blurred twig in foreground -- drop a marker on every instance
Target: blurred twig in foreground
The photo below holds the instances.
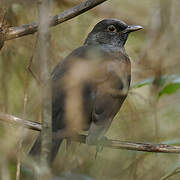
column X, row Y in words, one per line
column 44, row 7
column 114, row 144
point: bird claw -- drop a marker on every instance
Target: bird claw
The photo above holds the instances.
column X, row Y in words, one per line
column 68, row 143
column 99, row 145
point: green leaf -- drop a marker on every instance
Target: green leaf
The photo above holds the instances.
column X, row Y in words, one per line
column 170, row 88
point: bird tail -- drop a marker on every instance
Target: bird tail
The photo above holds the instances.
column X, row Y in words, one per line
column 36, row 149
column 55, row 147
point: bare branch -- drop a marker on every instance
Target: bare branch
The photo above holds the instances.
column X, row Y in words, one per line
column 114, row 144
column 21, row 122
column 16, row 32
column 147, row 147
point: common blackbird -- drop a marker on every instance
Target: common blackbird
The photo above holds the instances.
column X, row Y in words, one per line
column 90, row 85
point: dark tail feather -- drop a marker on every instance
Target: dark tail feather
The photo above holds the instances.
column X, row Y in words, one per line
column 36, row 149
column 55, row 147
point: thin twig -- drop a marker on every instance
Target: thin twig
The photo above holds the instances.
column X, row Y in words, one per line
column 114, row 144
column 16, row 32
column 172, row 173
column 19, row 121
column 28, row 68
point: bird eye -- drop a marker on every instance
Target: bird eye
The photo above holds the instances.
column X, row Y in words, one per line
column 111, row 28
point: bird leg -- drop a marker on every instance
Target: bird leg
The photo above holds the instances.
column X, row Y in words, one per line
column 96, row 136
column 99, row 145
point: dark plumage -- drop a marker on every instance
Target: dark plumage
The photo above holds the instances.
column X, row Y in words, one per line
column 90, row 85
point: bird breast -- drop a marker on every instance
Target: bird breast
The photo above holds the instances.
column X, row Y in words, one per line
column 117, row 74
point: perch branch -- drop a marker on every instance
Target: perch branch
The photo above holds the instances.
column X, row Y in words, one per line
column 16, row 32
column 115, row 144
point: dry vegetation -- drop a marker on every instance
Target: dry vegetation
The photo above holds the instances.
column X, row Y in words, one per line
column 144, row 117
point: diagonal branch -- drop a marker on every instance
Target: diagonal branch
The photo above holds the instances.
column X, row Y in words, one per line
column 16, row 32
column 21, row 122
column 114, row 144
column 172, row 173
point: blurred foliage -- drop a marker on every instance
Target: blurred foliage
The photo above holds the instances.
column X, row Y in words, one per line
column 155, row 68
column 171, row 87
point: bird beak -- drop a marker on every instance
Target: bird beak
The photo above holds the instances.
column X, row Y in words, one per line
column 133, row 28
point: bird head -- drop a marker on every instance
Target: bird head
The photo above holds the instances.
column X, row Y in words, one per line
column 110, row 32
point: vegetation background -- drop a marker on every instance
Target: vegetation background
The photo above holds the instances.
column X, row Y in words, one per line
column 150, row 114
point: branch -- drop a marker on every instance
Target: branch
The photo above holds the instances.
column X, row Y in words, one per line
column 20, row 122
column 172, row 173
column 16, row 32
column 114, row 144
column 147, row 147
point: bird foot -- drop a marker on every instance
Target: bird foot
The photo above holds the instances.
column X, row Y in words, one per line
column 99, row 145
column 68, row 143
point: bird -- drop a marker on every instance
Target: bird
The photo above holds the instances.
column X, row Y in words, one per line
column 90, row 85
